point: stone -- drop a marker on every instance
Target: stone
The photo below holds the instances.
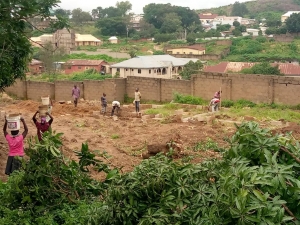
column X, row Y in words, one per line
column 179, row 112
column 158, row 116
column 200, row 118
column 145, row 117
column 185, row 120
column 157, row 106
column 69, row 102
column 96, row 113
column 125, row 106
column 115, row 118
column 158, row 119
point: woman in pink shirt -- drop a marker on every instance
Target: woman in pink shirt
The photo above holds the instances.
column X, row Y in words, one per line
column 16, row 147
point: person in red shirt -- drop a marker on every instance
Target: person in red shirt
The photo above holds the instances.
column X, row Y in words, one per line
column 16, row 147
column 42, row 126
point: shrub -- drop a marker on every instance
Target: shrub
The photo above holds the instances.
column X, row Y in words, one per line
column 227, row 103
column 241, row 103
column 188, row 99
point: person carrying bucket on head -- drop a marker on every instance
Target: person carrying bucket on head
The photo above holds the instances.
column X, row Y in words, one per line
column 75, row 94
column 42, row 126
column 16, row 147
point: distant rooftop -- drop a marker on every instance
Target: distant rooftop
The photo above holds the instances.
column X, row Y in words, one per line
column 289, row 13
column 153, row 61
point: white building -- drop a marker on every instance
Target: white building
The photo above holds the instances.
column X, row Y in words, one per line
column 285, row 16
column 156, row 66
column 135, row 21
column 113, row 40
column 253, row 32
column 223, row 20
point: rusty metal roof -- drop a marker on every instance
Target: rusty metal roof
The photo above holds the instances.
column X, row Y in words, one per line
column 84, row 62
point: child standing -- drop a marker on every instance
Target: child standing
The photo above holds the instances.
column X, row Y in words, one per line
column 103, row 104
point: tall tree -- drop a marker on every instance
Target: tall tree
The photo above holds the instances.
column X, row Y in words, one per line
column 147, row 30
column 15, row 47
column 239, row 9
column 111, row 12
column 112, row 26
column 171, row 23
column 124, row 7
column 155, row 13
column 293, row 23
column 79, row 16
column 62, row 12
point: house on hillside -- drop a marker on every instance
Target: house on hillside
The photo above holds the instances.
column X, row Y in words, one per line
column 135, row 21
column 285, row 16
column 156, row 66
column 187, row 50
column 86, row 40
column 79, row 65
column 40, row 23
column 288, row 69
column 207, row 18
column 113, row 40
column 224, row 20
column 35, row 67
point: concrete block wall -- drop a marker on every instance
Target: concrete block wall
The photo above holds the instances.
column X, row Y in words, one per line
column 149, row 87
column 287, row 90
column 18, row 89
column 63, row 90
column 120, row 89
column 35, row 90
column 169, row 87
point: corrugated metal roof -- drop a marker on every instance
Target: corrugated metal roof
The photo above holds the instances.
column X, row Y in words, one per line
column 154, row 61
column 84, row 62
column 86, row 37
column 207, row 16
column 225, row 67
column 195, row 47
column 35, row 62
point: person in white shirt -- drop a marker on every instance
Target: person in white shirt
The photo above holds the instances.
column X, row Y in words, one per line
column 137, row 99
column 115, row 106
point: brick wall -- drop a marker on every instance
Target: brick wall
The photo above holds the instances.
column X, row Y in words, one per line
column 63, row 90
column 256, row 88
column 168, row 87
column 18, row 89
column 35, row 90
column 149, row 87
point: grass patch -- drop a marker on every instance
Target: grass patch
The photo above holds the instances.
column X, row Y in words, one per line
column 166, row 110
column 188, row 99
column 207, row 145
column 115, row 136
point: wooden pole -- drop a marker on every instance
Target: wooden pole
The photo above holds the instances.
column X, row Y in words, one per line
column 220, row 97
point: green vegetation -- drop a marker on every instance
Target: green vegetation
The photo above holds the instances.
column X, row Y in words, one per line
column 262, row 68
column 115, row 136
column 191, row 68
column 208, row 145
column 165, row 110
column 95, row 57
column 79, row 76
column 188, row 99
column 246, row 49
column 256, row 182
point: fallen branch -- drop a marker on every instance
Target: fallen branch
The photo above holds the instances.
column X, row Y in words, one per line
column 291, row 154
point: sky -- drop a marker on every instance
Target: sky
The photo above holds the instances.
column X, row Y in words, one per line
column 137, row 5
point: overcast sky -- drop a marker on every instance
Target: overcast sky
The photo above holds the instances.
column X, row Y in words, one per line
column 137, row 5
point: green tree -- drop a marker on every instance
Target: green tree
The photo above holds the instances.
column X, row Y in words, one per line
column 79, row 16
column 239, row 9
column 62, row 12
column 236, row 24
column 147, row 30
column 191, row 38
column 224, row 27
column 263, row 68
column 172, row 22
column 112, row 26
column 293, row 23
column 161, row 38
column 155, row 13
column 191, row 68
column 16, row 50
column 124, row 7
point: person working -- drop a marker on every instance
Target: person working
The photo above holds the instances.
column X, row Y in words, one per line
column 137, row 100
column 115, row 106
column 103, row 104
column 16, row 147
column 214, row 104
column 75, row 94
column 42, row 126
column 217, row 95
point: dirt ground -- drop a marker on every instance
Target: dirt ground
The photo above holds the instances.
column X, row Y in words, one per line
column 124, row 140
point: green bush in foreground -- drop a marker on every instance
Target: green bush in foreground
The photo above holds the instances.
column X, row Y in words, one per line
column 256, row 182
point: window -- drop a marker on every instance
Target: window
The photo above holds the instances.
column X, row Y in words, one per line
column 149, row 71
column 86, row 67
column 126, row 69
column 132, row 69
column 118, row 69
column 69, row 67
column 139, row 71
column 79, row 67
column 154, row 71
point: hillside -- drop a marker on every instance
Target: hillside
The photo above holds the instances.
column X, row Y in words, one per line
column 259, row 7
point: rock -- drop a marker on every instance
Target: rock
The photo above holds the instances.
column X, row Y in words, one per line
column 69, row 102
column 145, row 117
column 200, row 118
column 185, row 120
column 158, row 116
column 115, row 118
column 157, row 106
column 200, row 107
column 125, row 106
column 179, row 112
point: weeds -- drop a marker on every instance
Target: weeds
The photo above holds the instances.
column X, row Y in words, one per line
column 115, row 136
column 188, row 99
column 209, row 144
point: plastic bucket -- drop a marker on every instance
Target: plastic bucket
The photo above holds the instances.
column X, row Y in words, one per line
column 43, row 109
column 45, row 100
column 13, row 121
